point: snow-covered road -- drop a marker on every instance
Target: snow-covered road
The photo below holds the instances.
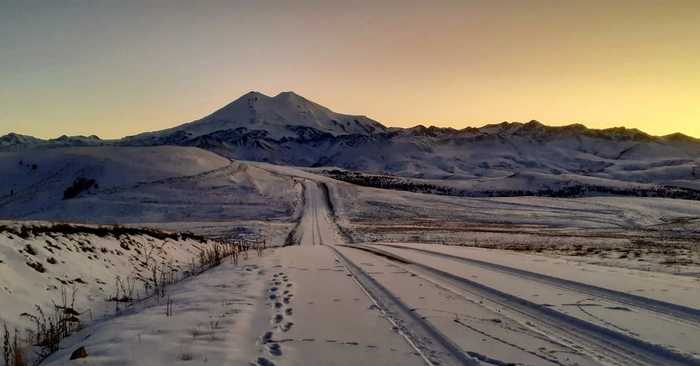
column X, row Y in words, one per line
column 329, row 302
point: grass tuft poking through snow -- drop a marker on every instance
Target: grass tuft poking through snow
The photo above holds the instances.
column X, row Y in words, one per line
column 56, row 277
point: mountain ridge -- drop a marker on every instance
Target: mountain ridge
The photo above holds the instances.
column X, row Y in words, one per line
column 253, row 97
column 223, row 114
column 289, row 129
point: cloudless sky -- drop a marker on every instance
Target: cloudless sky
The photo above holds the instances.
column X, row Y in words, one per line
column 115, row 68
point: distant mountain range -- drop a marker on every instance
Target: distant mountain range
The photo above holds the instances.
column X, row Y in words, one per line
column 507, row 157
column 14, row 141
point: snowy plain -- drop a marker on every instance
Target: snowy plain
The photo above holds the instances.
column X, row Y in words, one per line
column 352, row 288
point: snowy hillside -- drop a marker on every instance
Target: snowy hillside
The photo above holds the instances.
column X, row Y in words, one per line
column 39, row 260
column 164, row 184
column 38, row 179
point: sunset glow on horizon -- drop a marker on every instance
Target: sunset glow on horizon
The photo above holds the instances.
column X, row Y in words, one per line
column 117, row 68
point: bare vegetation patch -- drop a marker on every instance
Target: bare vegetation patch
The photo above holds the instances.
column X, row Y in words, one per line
column 29, row 231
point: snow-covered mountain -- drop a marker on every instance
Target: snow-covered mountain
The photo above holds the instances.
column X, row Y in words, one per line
column 287, row 115
column 290, row 130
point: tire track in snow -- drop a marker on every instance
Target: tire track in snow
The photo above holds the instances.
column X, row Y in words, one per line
column 429, row 343
column 433, row 346
column 677, row 312
column 605, row 344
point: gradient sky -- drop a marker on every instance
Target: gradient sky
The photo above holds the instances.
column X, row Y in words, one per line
column 115, row 68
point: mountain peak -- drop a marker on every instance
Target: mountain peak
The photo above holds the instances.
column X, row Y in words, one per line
column 288, row 94
column 294, row 98
column 280, row 96
column 253, row 93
